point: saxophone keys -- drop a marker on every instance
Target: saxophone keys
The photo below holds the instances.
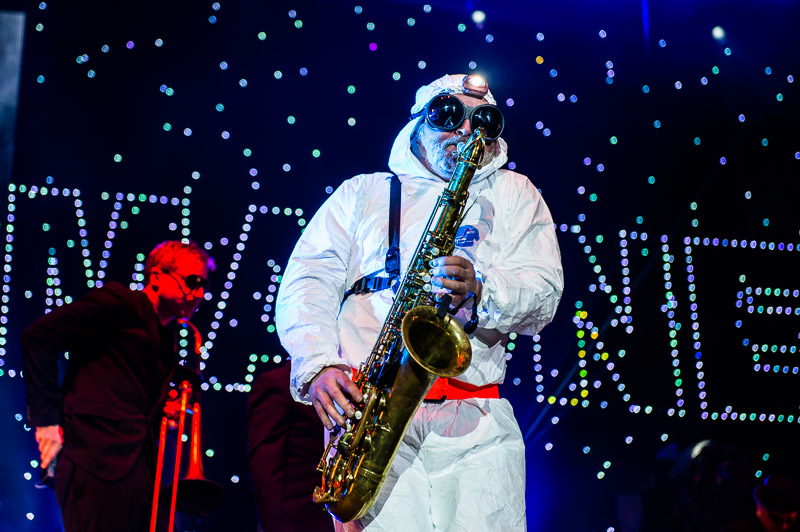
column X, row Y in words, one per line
column 426, row 287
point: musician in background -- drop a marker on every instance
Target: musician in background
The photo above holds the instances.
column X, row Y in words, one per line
column 284, row 441
column 461, row 465
column 777, row 508
column 102, row 421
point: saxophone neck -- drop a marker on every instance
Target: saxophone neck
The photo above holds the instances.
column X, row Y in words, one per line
column 470, row 153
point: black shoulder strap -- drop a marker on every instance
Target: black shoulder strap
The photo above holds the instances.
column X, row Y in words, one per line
column 392, row 264
column 374, row 282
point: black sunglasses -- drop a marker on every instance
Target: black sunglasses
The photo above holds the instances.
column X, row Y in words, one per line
column 192, row 282
column 446, row 112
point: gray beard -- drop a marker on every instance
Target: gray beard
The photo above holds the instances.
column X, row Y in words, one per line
column 443, row 162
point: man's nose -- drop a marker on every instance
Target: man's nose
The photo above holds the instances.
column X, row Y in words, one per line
column 465, row 128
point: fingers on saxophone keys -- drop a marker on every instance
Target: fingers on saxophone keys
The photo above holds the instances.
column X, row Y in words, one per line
column 352, row 390
column 444, row 271
column 437, row 286
column 323, row 414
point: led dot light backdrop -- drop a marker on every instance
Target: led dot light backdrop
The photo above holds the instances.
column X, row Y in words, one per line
column 663, row 136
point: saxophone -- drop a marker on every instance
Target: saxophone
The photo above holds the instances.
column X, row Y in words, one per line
column 418, row 343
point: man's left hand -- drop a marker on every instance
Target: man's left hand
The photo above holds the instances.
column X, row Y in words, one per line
column 50, row 439
column 455, row 276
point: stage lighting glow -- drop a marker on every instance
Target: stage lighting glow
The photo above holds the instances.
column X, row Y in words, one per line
column 718, row 33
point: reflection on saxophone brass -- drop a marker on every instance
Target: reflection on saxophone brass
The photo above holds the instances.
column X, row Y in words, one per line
column 417, row 345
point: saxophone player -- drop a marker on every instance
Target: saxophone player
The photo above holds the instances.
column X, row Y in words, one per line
column 461, row 463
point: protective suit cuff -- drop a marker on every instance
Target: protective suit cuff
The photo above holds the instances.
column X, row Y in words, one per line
column 302, row 377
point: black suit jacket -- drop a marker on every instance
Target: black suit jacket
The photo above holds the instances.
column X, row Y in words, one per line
column 119, row 359
column 286, row 442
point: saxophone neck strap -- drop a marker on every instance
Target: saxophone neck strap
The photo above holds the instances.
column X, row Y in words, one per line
column 374, row 282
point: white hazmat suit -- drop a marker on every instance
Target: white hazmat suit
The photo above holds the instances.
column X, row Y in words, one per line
column 461, row 466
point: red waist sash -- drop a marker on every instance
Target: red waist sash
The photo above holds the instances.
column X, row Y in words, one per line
column 445, row 388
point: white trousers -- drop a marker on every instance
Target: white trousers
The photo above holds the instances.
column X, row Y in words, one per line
column 460, row 468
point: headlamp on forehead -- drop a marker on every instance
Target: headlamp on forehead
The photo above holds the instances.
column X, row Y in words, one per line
column 475, row 86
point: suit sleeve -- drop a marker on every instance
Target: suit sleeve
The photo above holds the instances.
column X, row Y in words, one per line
column 64, row 329
column 524, row 280
column 312, row 288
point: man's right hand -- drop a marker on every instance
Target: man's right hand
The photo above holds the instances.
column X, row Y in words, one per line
column 50, row 440
column 329, row 388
